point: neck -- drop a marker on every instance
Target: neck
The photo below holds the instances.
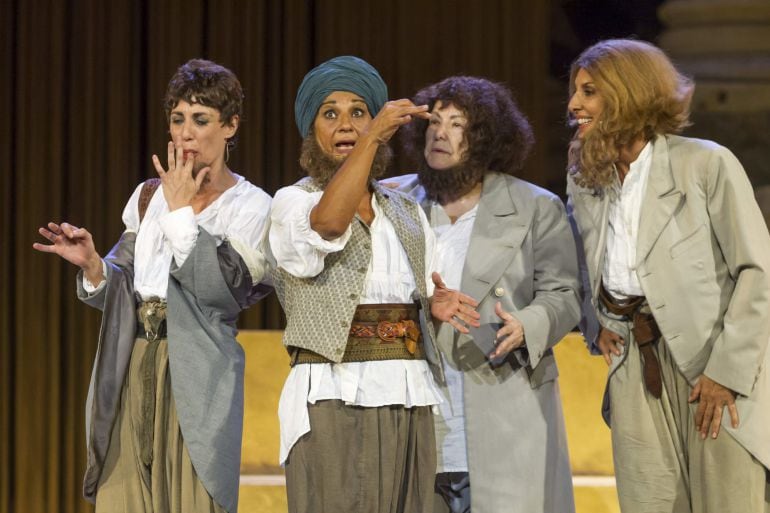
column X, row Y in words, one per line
column 218, row 179
column 457, row 207
column 628, row 154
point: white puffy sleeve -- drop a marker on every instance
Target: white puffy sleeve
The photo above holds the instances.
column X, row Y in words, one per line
column 297, row 248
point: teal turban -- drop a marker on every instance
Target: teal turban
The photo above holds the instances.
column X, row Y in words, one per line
column 345, row 73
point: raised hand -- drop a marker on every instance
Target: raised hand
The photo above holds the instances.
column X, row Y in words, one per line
column 393, row 115
column 74, row 245
column 453, row 306
column 179, row 184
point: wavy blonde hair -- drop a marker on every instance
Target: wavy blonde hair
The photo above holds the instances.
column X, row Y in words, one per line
column 642, row 93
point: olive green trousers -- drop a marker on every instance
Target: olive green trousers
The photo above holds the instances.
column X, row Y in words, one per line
column 148, row 468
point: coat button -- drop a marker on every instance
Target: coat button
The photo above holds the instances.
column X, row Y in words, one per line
column 499, row 292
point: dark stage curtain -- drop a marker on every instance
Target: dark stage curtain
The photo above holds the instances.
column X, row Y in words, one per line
column 80, row 115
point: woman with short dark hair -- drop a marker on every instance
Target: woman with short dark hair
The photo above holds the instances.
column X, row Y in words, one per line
column 165, row 407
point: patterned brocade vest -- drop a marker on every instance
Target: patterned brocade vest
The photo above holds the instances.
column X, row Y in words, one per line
column 319, row 310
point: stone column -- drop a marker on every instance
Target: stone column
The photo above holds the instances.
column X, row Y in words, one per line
column 725, row 46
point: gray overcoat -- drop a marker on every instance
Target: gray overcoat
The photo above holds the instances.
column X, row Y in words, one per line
column 206, row 363
column 522, row 254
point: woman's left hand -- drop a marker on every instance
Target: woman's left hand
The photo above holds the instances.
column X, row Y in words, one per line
column 712, row 399
column 453, row 306
column 510, row 336
column 179, row 185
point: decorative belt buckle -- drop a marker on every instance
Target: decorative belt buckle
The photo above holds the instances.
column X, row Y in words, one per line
column 388, row 331
column 151, row 321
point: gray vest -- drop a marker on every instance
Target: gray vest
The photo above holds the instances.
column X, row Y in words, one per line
column 319, row 310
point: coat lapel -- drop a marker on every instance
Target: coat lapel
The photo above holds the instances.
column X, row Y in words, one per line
column 498, row 231
column 660, row 200
column 590, row 211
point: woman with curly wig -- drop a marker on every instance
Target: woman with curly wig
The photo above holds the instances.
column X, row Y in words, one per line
column 500, row 437
column 677, row 260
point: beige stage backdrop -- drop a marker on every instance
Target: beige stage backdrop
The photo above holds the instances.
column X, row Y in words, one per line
column 81, row 84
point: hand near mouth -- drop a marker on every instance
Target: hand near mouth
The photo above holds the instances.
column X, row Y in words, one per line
column 179, row 184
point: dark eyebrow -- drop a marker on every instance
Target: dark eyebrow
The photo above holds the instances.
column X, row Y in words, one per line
column 334, row 102
column 194, row 114
column 453, row 116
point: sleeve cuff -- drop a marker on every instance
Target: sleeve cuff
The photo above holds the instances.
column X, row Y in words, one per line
column 92, row 289
column 535, row 333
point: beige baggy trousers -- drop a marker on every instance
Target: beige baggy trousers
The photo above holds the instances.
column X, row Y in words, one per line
column 661, row 462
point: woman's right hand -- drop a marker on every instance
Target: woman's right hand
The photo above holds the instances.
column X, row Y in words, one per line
column 74, row 245
column 393, row 115
column 609, row 342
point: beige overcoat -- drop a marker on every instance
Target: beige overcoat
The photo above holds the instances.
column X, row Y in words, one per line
column 703, row 262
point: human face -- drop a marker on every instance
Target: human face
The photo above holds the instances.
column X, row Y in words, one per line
column 199, row 131
column 445, row 142
column 340, row 120
column 586, row 105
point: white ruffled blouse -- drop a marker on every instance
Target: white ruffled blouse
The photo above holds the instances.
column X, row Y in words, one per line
column 239, row 215
column 301, row 251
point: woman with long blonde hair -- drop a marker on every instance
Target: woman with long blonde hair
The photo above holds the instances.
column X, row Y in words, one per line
column 677, row 261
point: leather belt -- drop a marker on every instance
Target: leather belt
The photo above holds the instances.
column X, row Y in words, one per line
column 151, row 326
column 646, row 332
column 388, row 331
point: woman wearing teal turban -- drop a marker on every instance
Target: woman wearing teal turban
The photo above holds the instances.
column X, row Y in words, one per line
column 353, row 276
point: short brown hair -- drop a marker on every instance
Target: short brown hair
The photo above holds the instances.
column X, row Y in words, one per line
column 205, row 83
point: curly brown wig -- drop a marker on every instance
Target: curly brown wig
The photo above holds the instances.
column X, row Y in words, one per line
column 497, row 134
